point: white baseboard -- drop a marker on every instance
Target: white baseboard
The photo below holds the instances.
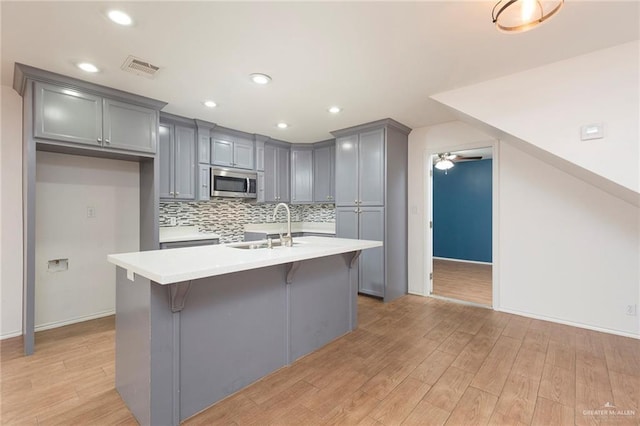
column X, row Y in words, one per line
column 11, row 334
column 571, row 323
column 70, row 321
column 462, row 260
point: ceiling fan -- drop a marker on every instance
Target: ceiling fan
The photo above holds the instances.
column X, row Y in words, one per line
column 445, row 160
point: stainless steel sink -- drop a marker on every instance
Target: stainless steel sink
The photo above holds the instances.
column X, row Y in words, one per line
column 258, row 245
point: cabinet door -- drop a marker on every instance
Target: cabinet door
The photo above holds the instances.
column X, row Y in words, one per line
column 204, row 180
column 259, row 156
column 283, row 175
column 129, row 127
column 371, row 263
column 301, row 176
column 347, row 171
column 185, row 162
column 221, row 152
column 67, row 115
column 347, row 222
column 371, row 168
column 270, row 173
column 166, row 160
column 204, row 149
column 323, row 174
column 243, row 154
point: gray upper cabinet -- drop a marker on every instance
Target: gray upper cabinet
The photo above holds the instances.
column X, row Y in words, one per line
column 301, row 175
column 130, row 127
column 371, row 202
column 360, row 169
column 259, row 155
column 276, row 173
column 204, row 148
column 68, row 115
column 324, row 174
column 177, row 157
column 232, row 151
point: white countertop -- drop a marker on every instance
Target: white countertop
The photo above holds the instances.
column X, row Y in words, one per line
column 190, row 263
column 277, row 227
column 172, row 234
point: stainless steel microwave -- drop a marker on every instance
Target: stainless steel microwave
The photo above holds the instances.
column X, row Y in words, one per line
column 233, row 183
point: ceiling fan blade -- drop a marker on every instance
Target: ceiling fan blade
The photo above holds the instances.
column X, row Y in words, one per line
column 461, row 158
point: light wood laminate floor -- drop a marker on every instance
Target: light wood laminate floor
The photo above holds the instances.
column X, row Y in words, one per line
column 415, row 361
column 470, row 282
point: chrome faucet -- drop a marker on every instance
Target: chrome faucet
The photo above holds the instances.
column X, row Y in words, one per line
column 285, row 240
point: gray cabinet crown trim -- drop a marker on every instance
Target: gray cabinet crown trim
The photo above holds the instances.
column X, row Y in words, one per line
column 219, row 130
column 204, row 125
column 275, row 142
column 22, row 73
column 321, row 144
column 261, row 138
column 387, row 122
column 165, row 117
column 301, row 146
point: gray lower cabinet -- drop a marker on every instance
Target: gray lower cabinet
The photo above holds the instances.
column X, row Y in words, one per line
column 177, row 159
column 301, row 175
column 232, row 152
column 276, row 173
column 324, row 174
column 371, row 202
column 260, row 196
column 365, row 223
column 360, row 169
column 68, row 115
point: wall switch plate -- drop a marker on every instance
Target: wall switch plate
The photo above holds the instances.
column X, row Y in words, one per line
column 631, row 310
column 592, row 131
column 57, row 265
column 91, row 212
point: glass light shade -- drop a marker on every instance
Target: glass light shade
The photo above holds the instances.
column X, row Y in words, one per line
column 444, row 164
column 522, row 15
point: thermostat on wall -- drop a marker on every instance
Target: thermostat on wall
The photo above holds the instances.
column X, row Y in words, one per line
column 592, row 131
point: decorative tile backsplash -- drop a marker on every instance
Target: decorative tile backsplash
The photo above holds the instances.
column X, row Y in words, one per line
column 228, row 217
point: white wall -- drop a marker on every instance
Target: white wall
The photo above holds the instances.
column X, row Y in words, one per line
column 65, row 186
column 546, row 106
column 568, row 251
column 11, row 213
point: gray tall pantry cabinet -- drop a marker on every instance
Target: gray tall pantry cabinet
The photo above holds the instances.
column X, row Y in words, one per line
column 177, row 158
column 371, row 202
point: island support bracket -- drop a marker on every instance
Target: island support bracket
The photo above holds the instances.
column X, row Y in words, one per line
column 178, row 293
column 356, row 255
column 291, row 270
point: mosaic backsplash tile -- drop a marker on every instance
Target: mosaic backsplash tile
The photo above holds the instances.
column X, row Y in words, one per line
column 228, row 217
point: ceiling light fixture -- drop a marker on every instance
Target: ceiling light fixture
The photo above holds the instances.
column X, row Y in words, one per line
column 334, row 109
column 443, row 162
column 259, row 78
column 120, row 17
column 210, row 104
column 516, row 16
column 282, row 125
column 87, row 67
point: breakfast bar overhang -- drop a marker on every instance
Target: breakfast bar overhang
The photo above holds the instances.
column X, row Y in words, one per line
column 194, row 325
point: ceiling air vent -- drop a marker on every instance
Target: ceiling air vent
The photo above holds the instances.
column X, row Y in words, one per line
column 140, row 67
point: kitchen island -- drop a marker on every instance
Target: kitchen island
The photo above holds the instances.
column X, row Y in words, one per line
column 194, row 325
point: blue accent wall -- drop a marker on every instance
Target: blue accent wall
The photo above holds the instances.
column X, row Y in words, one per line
column 462, row 211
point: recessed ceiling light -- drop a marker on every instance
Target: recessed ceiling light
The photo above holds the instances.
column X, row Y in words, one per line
column 120, row 17
column 260, row 78
column 334, row 109
column 210, row 104
column 282, row 125
column 86, row 66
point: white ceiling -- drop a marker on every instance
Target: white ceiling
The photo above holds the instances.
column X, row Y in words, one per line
column 374, row 59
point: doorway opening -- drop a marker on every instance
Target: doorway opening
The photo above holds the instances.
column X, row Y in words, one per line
column 461, row 225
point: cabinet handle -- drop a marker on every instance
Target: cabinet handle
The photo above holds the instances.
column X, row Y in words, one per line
column 107, row 141
column 171, row 193
column 99, row 140
column 177, row 193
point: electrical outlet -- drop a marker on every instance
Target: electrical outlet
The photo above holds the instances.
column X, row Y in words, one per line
column 91, row 212
column 173, row 221
column 631, row 310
